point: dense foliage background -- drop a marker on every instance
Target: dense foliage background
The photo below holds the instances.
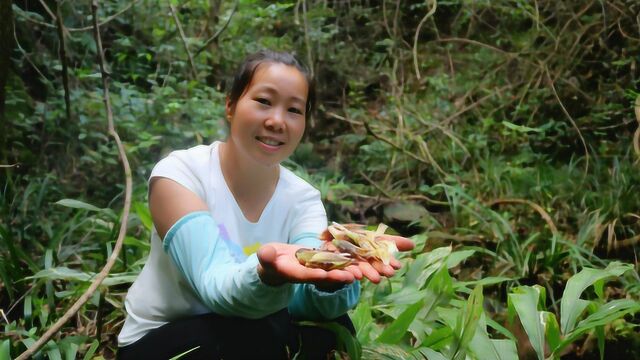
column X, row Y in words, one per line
column 500, row 134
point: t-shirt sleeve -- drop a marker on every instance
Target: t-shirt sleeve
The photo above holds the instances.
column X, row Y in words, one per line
column 181, row 167
column 310, row 219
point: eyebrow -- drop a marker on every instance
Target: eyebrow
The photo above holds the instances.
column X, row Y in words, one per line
column 272, row 89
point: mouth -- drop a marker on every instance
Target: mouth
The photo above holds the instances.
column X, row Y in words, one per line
column 269, row 141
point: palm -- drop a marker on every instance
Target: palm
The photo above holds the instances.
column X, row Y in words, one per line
column 280, row 265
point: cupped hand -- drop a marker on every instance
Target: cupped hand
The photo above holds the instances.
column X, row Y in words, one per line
column 374, row 270
column 279, row 265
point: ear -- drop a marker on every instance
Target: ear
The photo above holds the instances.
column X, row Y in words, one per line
column 228, row 110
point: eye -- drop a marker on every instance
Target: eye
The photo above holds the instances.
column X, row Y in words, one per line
column 295, row 111
column 262, row 101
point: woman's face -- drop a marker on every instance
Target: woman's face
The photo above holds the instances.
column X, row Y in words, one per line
column 269, row 118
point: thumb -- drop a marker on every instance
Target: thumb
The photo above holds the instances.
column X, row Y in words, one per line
column 267, row 255
column 267, row 272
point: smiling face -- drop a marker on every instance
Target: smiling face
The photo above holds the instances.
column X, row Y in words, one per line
column 268, row 120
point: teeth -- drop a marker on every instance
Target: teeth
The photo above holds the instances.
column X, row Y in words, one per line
column 270, row 142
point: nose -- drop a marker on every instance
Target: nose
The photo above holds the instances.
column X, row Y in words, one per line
column 275, row 122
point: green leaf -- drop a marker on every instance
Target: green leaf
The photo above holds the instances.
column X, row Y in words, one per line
column 492, row 349
column 92, row 350
column 431, row 354
column 405, row 211
column 606, row 314
column 521, row 128
column 425, row 265
column 142, row 210
column 571, row 307
column 5, row 350
column 457, row 257
column 439, row 338
column 398, row 328
column 345, row 339
column 53, row 351
column 467, row 322
column 77, row 204
column 524, row 300
column 362, row 321
column 64, row 273
column 552, row 330
column 179, row 356
column 600, row 336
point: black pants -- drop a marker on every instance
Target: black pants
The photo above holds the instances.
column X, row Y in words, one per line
column 216, row 337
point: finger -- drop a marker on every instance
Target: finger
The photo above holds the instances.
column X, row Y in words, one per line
column 355, row 270
column 340, row 276
column 369, row 272
column 395, row 264
column 402, row 243
column 382, row 269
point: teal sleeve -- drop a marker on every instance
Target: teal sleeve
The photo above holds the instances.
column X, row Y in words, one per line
column 310, row 303
column 225, row 285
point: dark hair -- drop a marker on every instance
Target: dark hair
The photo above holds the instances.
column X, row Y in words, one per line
column 248, row 68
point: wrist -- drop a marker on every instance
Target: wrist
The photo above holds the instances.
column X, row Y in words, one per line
column 329, row 288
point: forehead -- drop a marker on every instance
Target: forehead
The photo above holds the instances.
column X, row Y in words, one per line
column 283, row 79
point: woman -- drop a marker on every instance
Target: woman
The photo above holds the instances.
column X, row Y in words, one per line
column 204, row 288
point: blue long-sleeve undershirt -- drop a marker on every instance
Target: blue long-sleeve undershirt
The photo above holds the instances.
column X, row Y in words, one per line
column 233, row 288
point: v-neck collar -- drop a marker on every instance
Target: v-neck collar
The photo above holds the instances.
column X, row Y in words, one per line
column 227, row 190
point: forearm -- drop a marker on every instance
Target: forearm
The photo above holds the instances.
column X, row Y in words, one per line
column 308, row 302
column 314, row 303
column 223, row 285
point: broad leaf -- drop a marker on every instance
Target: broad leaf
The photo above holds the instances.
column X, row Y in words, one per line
column 571, row 307
column 431, row 354
column 398, row 328
column 485, row 348
column 467, row 323
column 77, row 204
column 524, row 301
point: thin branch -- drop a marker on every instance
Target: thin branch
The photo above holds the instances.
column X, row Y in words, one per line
column 575, row 126
column 194, row 72
column 46, row 8
column 63, row 60
column 120, row 12
column 125, row 211
column 415, row 38
column 306, row 37
column 26, row 56
column 543, row 213
column 217, row 34
column 85, row 28
column 636, row 135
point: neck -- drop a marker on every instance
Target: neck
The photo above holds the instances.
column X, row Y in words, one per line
column 240, row 173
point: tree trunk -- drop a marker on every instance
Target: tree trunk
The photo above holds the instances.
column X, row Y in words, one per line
column 6, row 43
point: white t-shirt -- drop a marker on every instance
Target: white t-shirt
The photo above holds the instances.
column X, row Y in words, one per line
column 160, row 294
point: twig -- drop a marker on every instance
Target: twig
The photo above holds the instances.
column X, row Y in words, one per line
column 575, row 126
column 543, row 213
column 415, row 38
column 217, row 34
column 8, row 166
column 120, row 12
column 26, row 56
column 46, row 8
column 184, row 40
column 306, row 37
column 125, row 210
column 85, row 28
column 63, row 59
column 636, row 135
